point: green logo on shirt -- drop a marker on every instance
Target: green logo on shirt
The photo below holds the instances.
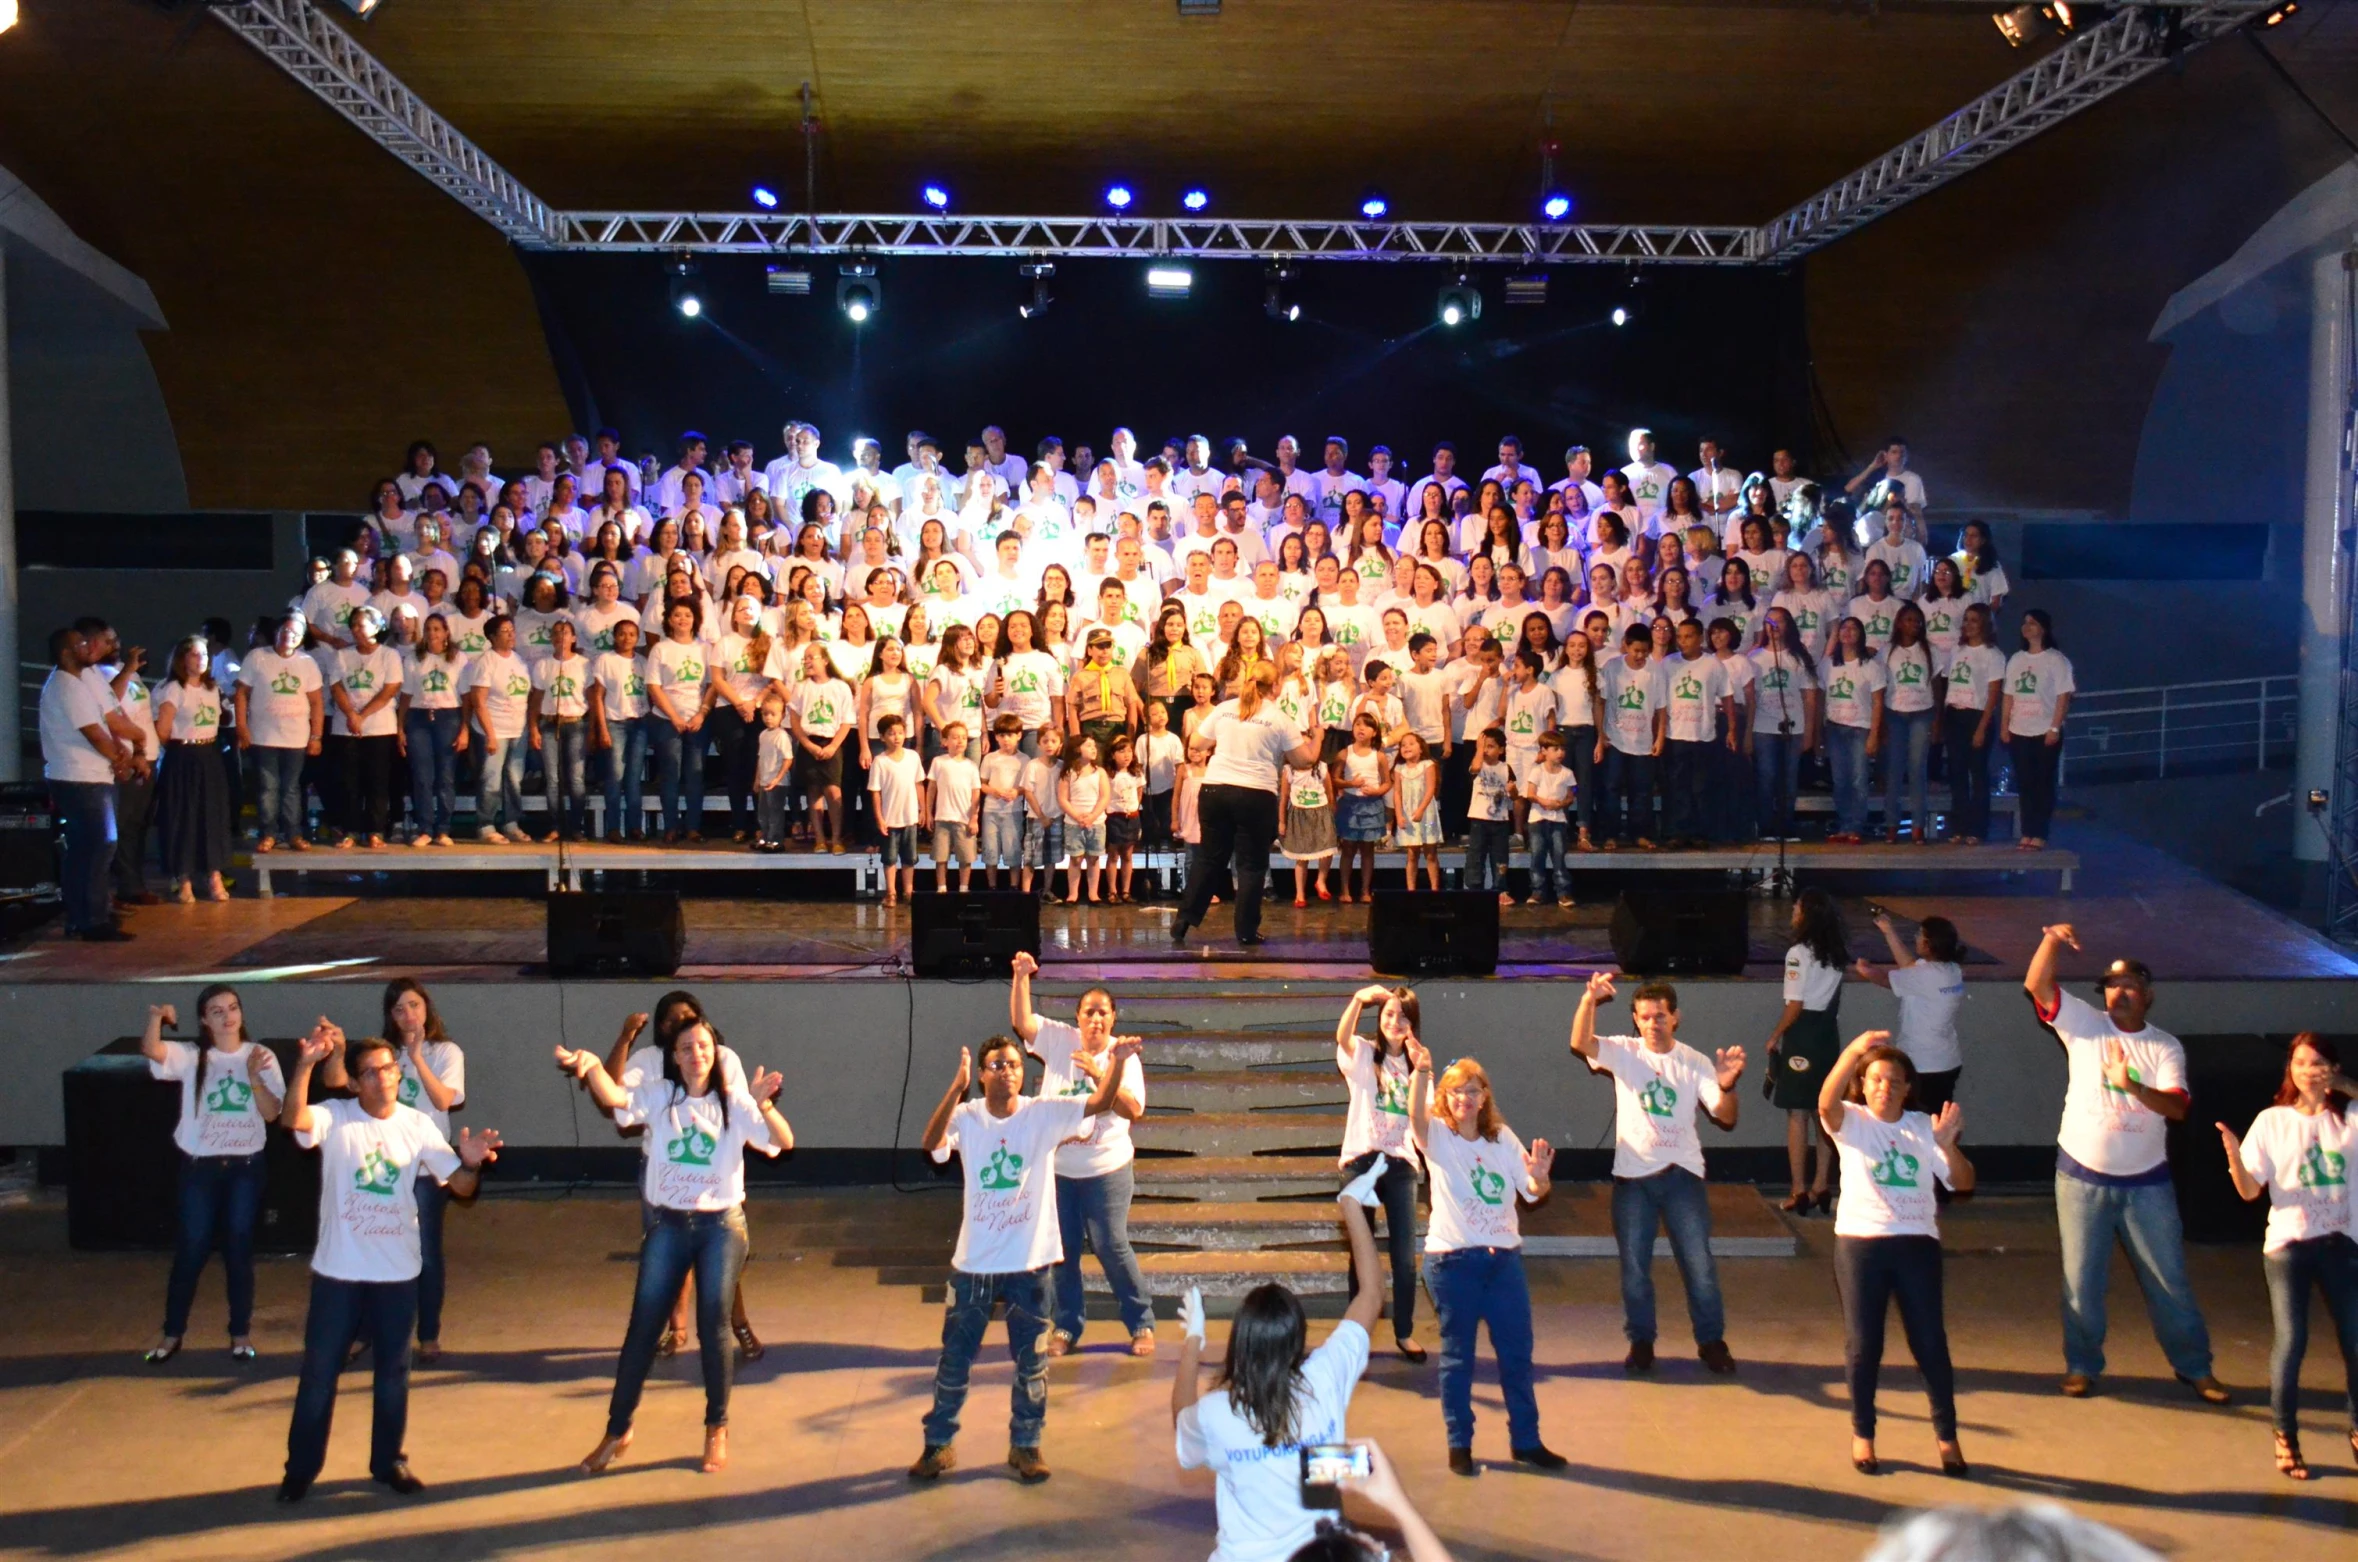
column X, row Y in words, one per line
column 691, row 671
column 632, row 684
column 472, row 642
column 692, row 1148
column 229, row 1095
column 1391, row 1093
column 1632, row 698
column 2135, row 1078
column 377, row 1173
column 1688, row 687
column 360, row 680
column 437, row 681
column 563, row 687
column 204, row 716
column 518, row 686
column 1908, row 674
column 1026, row 682
column 821, row 713
column 2321, row 1168
column 286, row 683
column 1659, row 1098
column 1003, row 1173
column 1879, row 627
column 1895, row 1170
column 1842, row 688
column 2027, row 683
column 1488, row 1185
column 409, row 1091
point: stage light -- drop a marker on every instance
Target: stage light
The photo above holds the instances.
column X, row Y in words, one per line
column 2019, row 24
column 682, row 287
column 364, row 9
column 1373, row 206
column 1197, row 199
column 1621, row 317
column 1277, row 281
column 936, row 197
column 7, row 14
column 856, row 290
column 1118, row 197
column 691, row 306
column 2272, row 19
column 1037, row 273
column 793, row 280
column 1168, row 281
column 1529, row 288
column 1556, row 207
column 1460, row 302
column 765, row 197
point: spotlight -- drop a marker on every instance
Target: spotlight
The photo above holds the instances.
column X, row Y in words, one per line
column 1276, row 286
column 1118, row 197
column 793, row 280
column 1556, row 207
column 1037, row 273
column 364, row 9
column 2019, row 24
column 1460, row 302
column 856, row 292
column 1528, row 288
column 2274, row 18
column 7, row 14
column 1168, row 281
column 765, row 197
column 682, row 286
column 1620, row 316
column 1373, row 206
column 936, row 197
column 1195, row 200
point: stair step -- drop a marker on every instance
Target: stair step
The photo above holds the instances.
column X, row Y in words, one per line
column 1243, row 1089
column 1309, row 1273
column 1238, row 1133
column 1237, row 1051
column 1233, row 1178
column 1226, row 1227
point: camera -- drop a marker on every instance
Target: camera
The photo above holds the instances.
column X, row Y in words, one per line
column 1325, row 1466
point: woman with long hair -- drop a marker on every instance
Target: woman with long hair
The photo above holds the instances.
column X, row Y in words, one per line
column 2038, row 698
column 1165, row 673
column 1026, row 681
column 432, row 717
column 2298, row 1153
column 1246, row 652
column 230, row 1092
column 193, row 806
column 1474, row 1249
column 1887, row 1232
column 1579, row 686
column 1369, row 557
column 1855, row 684
column 1375, row 1127
column 1908, row 714
column 1807, row 1039
column 1977, row 564
column 740, row 672
column 1973, row 692
column 1785, row 699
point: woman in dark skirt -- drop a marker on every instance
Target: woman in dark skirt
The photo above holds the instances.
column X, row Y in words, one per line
column 192, row 792
column 1807, row 1040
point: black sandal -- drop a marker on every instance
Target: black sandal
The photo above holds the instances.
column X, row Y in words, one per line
column 748, row 1347
column 2289, row 1462
column 1414, row 1353
column 670, row 1344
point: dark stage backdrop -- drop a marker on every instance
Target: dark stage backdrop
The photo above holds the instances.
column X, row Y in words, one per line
column 1706, row 353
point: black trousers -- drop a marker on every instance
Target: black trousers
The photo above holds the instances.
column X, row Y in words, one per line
column 134, row 805
column 1397, row 1188
column 2035, row 764
column 737, row 744
column 1239, row 823
column 1870, row 1273
column 365, row 770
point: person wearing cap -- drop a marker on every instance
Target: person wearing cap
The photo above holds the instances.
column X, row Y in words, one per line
column 1100, row 700
column 2126, row 1085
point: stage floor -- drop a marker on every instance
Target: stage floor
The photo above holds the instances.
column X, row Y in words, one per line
column 100, row 1455
column 2129, row 898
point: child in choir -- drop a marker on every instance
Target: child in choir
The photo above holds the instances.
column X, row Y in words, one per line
column 773, row 760
column 1416, row 808
column 1082, row 796
column 1490, row 816
column 1363, row 785
column 1548, row 792
column 953, row 808
column 1306, row 831
column 1003, row 806
column 896, row 778
column 1124, row 820
column 1043, row 823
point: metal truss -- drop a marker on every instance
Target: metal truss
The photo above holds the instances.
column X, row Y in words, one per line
column 2089, row 67
column 1465, row 243
column 2341, row 817
column 296, row 37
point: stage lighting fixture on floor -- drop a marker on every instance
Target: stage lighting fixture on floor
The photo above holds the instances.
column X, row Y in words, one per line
column 1373, row 206
column 2019, row 24
column 765, row 197
column 1196, row 199
column 1556, row 207
column 1460, row 302
column 1168, row 281
column 682, row 287
column 936, row 197
column 793, row 280
column 856, row 292
column 1037, row 274
column 1277, row 300
column 1530, row 288
column 1118, row 197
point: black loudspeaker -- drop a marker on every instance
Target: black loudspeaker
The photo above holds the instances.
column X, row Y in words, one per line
column 1453, row 933
column 28, row 838
column 603, row 933
column 972, row 933
column 1681, row 932
column 2232, row 1079
column 123, row 1171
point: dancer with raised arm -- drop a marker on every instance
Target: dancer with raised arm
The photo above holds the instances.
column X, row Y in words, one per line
column 230, row 1089
column 698, row 1129
column 1093, row 1179
column 1658, row 1082
column 1007, row 1238
column 1375, row 1131
column 364, row 1273
column 1887, row 1232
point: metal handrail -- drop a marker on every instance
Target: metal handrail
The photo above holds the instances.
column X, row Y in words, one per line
column 2206, row 719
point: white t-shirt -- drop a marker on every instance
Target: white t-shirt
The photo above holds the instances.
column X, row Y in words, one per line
column 368, row 1197
column 2108, row 1130
column 449, row 1065
column 2037, row 681
column 1258, row 1495
column 278, row 690
column 1632, row 696
column 431, row 683
column 624, row 684
column 2305, row 1162
column 196, row 713
column 895, row 779
column 217, row 1111
column 68, row 704
column 680, row 668
column 1006, row 772
column 1971, row 672
column 1246, row 752
column 1812, row 985
column 506, row 682
column 1887, row 1174
column 956, row 780
column 1377, row 1118
column 825, row 706
column 1655, row 1095
column 695, row 1161
column 1475, row 1183
column 1106, row 1146
column 1010, row 1219
column 1778, row 684
column 1492, row 795
column 1695, row 690
column 1929, row 993
column 1032, row 679
column 1908, row 669
column 1851, row 688
column 563, row 686
column 362, row 676
column 1550, row 791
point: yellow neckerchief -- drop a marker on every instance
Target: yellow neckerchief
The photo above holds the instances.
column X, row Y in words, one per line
column 1105, row 697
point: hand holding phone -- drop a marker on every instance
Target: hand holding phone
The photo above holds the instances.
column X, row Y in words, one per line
column 1325, row 1469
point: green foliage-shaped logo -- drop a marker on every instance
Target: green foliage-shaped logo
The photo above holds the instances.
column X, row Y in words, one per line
column 286, row 683
column 473, row 641
column 1659, row 1098
column 694, row 1147
column 1896, row 1170
column 2135, row 1078
column 377, row 1173
column 1879, row 626
column 437, row 681
column 1842, row 688
column 1392, row 1092
column 410, row 1090
column 691, row 671
column 1003, row 1173
column 2026, row 682
column 2321, row 1168
column 821, row 713
column 228, row 1095
column 518, row 686
column 360, row 680
column 1689, row 687
column 564, row 687
column 1488, row 1185
column 204, row 716
column 1908, row 674
column 1632, row 697
column 633, row 684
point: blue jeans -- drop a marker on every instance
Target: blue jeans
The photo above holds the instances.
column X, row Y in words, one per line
column 2330, row 1264
column 1580, row 753
column 710, row 1244
column 220, row 1199
column 1907, row 757
column 500, row 799
column 1472, row 1287
column 1097, row 1210
column 1486, row 853
column 769, row 807
column 564, row 769
column 622, row 775
column 2145, row 1220
column 1846, row 756
column 968, row 1314
column 1002, row 840
column 86, row 811
column 343, row 1311
column 433, row 768
column 1549, row 879
column 679, row 757
column 433, row 1204
column 1776, row 771
column 1672, row 1198
column 278, row 793
column 1629, row 795
column 1686, row 788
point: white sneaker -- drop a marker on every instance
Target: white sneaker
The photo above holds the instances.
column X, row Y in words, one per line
column 515, row 832
column 1362, row 1187
column 488, row 835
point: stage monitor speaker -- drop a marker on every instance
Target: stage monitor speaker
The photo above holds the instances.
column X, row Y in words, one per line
column 2232, row 1080
column 600, row 933
column 123, row 1171
column 1681, row 932
column 972, row 934
column 1453, row 933
column 28, row 839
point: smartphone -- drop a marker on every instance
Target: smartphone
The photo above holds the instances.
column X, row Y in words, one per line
column 1325, row 1466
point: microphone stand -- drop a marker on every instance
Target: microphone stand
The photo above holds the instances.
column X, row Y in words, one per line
column 1781, row 882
